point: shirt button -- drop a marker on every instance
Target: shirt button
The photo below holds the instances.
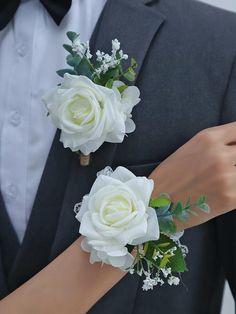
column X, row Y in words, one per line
column 21, row 50
column 11, row 191
column 15, row 118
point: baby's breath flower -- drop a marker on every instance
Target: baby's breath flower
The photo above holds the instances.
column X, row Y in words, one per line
column 157, row 255
column 159, row 280
column 99, row 55
column 184, row 250
column 110, row 61
column 140, row 272
column 77, row 207
column 149, row 283
column 82, row 48
column 166, row 272
column 78, row 47
column 172, row 250
column 173, row 281
column 115, row 45
column 88, row 54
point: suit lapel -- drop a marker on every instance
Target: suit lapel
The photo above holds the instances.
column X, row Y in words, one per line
column 132, row 22
column 9, row 246
column 3, row 285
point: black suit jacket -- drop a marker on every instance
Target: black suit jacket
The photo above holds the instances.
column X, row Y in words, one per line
column 186, row 54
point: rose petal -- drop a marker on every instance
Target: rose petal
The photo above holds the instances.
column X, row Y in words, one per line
column 129, row 126
column 142, row 187
column 153, row 231
column 122, row 174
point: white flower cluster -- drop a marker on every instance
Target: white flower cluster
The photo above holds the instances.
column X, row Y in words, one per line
column 170, row 252
column 110, row 61
column 82, row 48
column 150, row 282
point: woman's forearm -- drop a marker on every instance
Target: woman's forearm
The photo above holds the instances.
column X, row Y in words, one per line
column 70, row 284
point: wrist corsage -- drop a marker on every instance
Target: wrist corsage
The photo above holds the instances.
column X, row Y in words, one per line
column 118, row 217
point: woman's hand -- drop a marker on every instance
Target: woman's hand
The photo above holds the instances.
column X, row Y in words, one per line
column 204, row 165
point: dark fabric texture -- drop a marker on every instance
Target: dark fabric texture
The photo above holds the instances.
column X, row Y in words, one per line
column 56, row 8
column 9, row 246
column 186, row 52
column 226, row 225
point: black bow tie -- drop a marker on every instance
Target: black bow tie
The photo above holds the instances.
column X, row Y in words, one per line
column 56, row 8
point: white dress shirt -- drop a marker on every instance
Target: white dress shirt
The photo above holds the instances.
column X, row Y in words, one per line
column 30, row 53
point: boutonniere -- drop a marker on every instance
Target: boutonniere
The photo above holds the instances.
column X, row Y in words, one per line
column 94, row 103
column 118, row 217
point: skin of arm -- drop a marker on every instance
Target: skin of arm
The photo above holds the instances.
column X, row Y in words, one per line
column 69, row 285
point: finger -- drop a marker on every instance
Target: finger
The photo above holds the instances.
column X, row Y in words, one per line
column 225, row 133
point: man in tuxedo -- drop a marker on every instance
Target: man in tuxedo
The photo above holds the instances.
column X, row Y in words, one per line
column 186, row 54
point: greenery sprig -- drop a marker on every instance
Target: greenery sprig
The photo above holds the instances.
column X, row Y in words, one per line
column 166, row 211
column 164, row 259
column 103, row 69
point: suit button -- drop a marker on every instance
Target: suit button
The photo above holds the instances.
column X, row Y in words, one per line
column 15, row 118
column 21, row 50
column 11, row 191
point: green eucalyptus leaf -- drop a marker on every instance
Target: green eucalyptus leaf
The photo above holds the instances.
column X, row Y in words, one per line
column 159, row 202
column 167, row 225
column 205, row 208
column 111, row 74
column 85, row 68
column 163, row 211
column 64, row 71
column 201, row 199
column 184, row 216
column 72, row 36
column 188, row 203
column 73, row 61
column 68, row 48
column 178, row 210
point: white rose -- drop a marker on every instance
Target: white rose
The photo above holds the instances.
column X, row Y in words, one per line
column 89, row 114
column 117, row 213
